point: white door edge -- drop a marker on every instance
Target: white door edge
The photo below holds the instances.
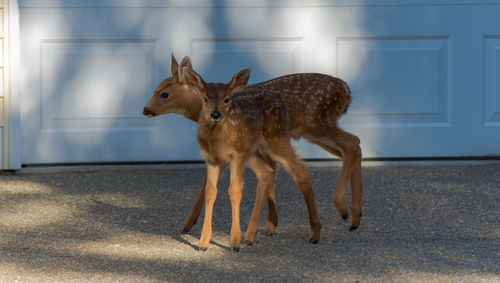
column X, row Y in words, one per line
column 12, row 131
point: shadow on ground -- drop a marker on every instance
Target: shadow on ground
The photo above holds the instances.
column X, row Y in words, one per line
column 420, row 223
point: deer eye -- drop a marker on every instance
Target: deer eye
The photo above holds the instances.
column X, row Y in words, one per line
column 205, row 99
column 164, row 95
column 226, row 100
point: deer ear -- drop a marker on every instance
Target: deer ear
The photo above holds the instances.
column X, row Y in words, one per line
column 174, row 66
column 184, row 63
column 193, row 80
column 239, row 81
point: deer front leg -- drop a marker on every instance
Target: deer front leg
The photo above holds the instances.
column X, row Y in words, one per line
column 210, row 195
column 235, row 196
column 265, row 177
column 195, row 211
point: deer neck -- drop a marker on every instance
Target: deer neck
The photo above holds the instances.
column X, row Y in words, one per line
column 193, row 108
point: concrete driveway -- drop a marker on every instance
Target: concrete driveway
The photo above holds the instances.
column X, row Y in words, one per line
column 420, row 223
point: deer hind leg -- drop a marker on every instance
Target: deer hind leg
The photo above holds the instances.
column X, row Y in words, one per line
column 195, row 211
column 356, row 191
column 265, row 177
column 272, row 213
column 235, row 189
column 346, row 146
column 210, row 195
column 341, row 188
column 282, row 151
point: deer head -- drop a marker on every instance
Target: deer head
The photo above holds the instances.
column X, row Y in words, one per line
column 172, row 95
column 216, row 97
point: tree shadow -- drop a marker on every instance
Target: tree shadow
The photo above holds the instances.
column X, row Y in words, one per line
column 128, row 224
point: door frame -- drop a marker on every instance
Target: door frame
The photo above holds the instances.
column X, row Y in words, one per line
column 11, row 138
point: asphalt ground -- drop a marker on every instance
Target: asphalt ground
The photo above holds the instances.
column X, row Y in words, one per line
column 420, row 224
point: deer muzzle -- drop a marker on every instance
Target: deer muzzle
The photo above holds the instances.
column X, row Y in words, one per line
column 148, row 112
column 215, row 115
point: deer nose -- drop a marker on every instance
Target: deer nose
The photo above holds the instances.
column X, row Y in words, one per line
column 147, row 112
column 215, row 115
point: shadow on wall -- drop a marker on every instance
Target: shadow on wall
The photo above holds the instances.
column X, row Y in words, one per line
column 89, row 70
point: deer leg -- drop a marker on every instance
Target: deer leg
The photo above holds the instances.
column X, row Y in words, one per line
column 356, row 191
column 265, row 180
column 235, row 196
column 351, row 157
column 272, row 214
column 282, row 151
column 210, row 195
column 340, row 141
column 195, row 211
column 339, row 193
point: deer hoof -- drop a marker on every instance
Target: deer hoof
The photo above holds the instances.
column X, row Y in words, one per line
column 267, row 233
column 185, row 231
column 248, row 243
column 236, row 250
column 345, row 216
column 314, row 242
column 353, row 228
column 201, row 249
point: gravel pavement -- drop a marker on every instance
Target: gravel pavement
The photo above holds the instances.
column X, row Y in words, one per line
column 420, row 223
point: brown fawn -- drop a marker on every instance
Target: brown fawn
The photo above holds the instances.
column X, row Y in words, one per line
column 315, row 102
column 234, row 124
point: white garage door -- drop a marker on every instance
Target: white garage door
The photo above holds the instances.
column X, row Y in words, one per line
column 424, row 76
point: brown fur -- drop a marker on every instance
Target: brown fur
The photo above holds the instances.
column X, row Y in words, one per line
column 179, row 100
column 234, row 124
column 315, row 102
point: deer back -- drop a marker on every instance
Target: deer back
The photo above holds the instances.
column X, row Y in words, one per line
column 314, row 101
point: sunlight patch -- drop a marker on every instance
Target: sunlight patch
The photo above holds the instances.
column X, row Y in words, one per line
column 24, row 187
column 140, row 246
column 33, row 213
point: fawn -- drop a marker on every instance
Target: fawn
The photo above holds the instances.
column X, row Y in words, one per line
column 234, row 124
column 315, row 103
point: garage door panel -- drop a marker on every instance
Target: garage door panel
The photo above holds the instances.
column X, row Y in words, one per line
column 88, row 74
column 95, row 83
column 402, row 80
column 267, row 57
column 492, row 81
column 424, row 80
